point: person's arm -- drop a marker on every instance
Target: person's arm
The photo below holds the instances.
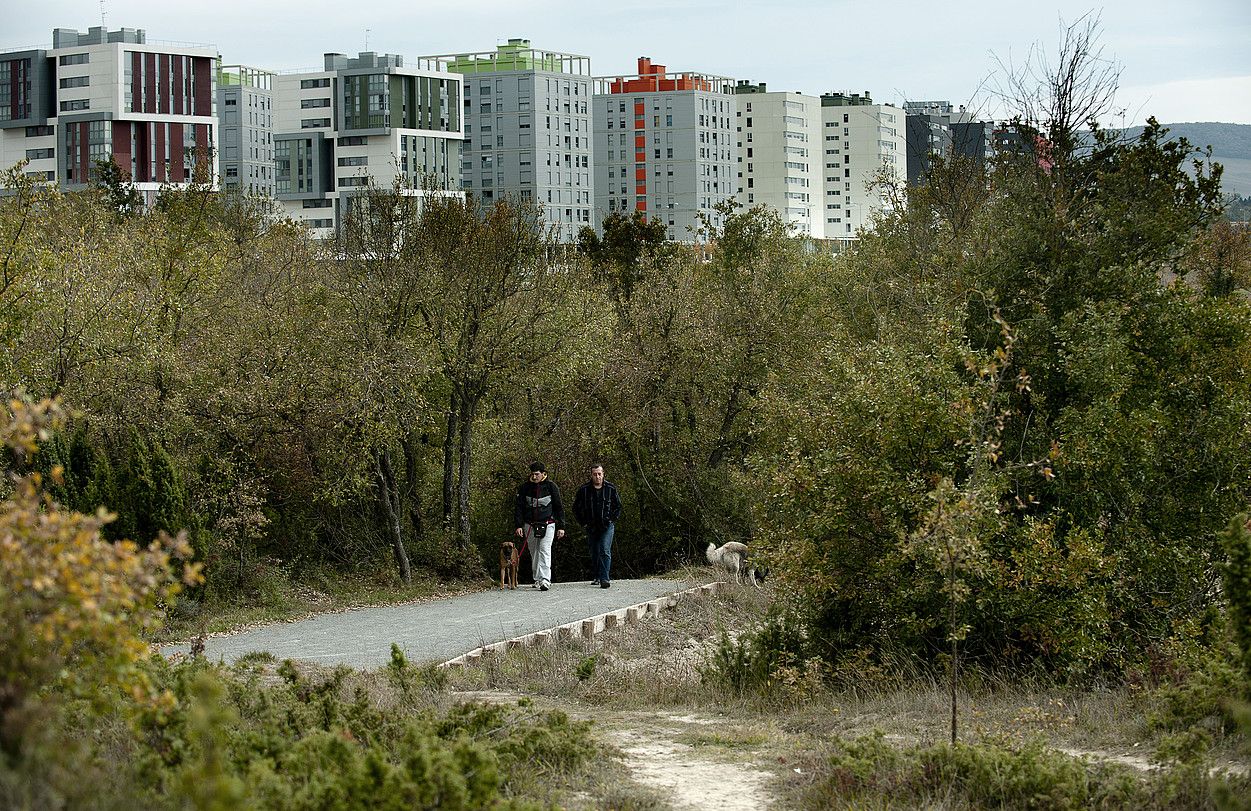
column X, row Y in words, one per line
column 614, row 504
column 519, row 508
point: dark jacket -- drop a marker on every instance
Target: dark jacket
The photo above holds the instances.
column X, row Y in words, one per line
column 538, row 503
column 596, row 509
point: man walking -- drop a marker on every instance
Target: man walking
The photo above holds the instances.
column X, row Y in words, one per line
column 597, row 507
column 539, row 517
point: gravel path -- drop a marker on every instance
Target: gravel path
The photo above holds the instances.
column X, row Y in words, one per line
column 432, row 631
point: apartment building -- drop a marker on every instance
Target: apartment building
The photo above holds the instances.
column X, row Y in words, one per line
column 148, row 106
column 363, row 120
column 245, row 104
column 939, row 128
column 665, row 145
column 865, row 146
column 528, row 130
column 780, row 155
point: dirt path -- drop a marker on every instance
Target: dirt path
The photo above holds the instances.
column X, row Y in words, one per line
column 656, row 759
column 651, row 742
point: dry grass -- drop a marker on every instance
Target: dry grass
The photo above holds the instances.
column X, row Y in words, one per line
column 650, row 675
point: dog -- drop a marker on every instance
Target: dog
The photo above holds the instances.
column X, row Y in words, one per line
column 732, row 558
column 510, row 557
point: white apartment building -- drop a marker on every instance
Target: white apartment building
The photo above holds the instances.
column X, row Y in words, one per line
column 665, row 146
column 863, row 143
column 360, row 121
column 148, row 106
column 781, row 155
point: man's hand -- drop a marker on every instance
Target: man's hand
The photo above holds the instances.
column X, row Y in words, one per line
column 560, row 533
column 518, row 532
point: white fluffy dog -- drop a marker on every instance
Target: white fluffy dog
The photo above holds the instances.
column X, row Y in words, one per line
column 732, row 557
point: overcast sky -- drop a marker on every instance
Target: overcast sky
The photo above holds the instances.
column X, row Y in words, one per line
column 1180, row 61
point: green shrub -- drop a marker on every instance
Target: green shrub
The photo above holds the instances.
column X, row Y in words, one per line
column 988, row 775
column 760, row 660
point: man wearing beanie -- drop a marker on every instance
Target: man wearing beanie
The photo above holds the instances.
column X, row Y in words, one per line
column 539, row 518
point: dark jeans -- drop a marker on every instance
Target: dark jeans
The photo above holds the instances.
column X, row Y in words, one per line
column 599, row 543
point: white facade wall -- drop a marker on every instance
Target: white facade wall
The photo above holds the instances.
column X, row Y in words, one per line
column 860, row 142
column 781, row 156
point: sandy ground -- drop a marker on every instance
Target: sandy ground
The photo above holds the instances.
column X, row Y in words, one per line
column 655, row 759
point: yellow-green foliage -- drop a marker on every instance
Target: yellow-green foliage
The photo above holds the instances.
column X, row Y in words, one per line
column 73, row 607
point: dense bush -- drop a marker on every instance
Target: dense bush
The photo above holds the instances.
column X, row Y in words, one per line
column 869, row 770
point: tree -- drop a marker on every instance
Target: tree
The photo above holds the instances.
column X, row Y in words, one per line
column 118, row 191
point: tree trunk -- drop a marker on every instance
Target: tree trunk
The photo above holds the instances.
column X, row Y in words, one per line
column 412, row 490
column 389, row 498
column 449, row 454
column 467, row 408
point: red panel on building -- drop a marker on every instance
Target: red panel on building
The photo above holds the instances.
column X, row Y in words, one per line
column 640, row 174
column 640, row 142
column 203, row 142
column 179, row 82
column 136, row 89
column 121, row 145
column 149, row 64
column 84, row 151
column 202, row 67
column 163, row 90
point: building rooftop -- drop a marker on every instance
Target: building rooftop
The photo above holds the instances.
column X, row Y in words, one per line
column 517, row 55
column 654, row 78
column 844, row 99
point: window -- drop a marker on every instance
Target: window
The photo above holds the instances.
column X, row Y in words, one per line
column 36, row 154
column 42, row 129
column 75, row 59
column 306, row 84
column 313, row 123
column 306, row 104
column 76, row 104
column 76, row 81
column 320, row 203
column 355, row 160
column 352, row 140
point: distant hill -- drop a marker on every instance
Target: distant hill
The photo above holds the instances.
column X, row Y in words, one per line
column 1231, row 147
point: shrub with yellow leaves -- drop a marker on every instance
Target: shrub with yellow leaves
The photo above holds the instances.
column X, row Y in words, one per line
column 74, row 607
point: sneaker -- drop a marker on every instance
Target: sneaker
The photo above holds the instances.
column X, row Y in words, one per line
column 605, row 585
column 595, row 582
column 543, row 587
column 534, row 585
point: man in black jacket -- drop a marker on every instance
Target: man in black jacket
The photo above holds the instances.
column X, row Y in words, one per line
column 539, row 517
column 597, row 507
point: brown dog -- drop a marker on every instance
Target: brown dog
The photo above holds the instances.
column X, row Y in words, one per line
column 509, row 559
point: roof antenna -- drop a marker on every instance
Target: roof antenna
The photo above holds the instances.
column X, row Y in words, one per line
column 366, row 39
column 102, row 16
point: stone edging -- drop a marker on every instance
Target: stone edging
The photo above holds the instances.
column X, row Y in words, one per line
column 585, row 628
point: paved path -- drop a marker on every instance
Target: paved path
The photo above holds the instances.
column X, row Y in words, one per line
column 432, row 631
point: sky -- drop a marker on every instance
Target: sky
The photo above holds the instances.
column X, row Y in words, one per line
column 1177, row 61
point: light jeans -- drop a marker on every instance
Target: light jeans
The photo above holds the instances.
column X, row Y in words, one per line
column 541, row 538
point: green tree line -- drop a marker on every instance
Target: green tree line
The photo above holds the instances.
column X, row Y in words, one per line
column 1014, row 414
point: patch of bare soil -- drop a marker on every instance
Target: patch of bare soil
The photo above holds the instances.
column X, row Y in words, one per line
column 693, row 781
